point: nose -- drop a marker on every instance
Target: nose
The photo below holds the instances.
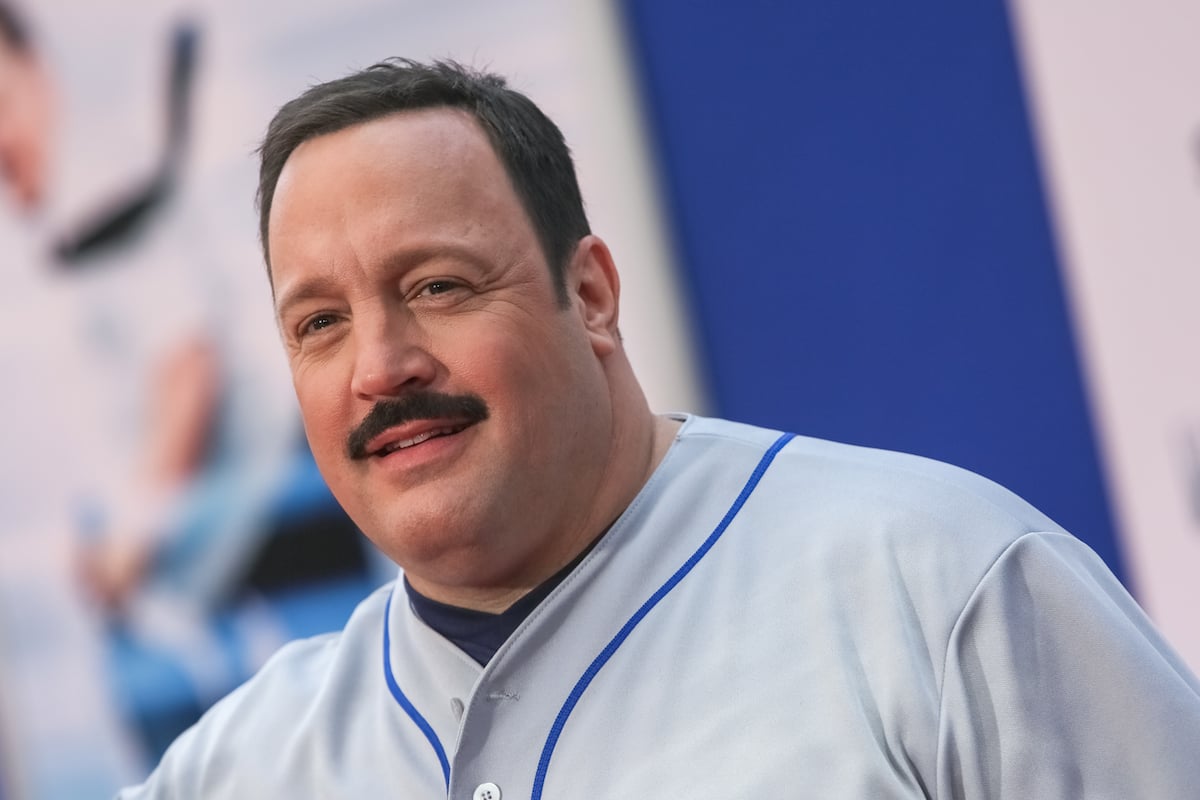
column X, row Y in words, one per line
column 391, row 357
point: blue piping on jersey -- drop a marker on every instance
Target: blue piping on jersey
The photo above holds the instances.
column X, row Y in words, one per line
column 581, row 686
column 408, row 707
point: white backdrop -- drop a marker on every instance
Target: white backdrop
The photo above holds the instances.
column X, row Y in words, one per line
column 1114, row 92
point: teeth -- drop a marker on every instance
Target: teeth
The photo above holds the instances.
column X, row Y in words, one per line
column 421, row 437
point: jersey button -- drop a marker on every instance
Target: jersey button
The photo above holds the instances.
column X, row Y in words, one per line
column 487, row 791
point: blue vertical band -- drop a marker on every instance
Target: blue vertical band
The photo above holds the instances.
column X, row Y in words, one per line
column 404, row 702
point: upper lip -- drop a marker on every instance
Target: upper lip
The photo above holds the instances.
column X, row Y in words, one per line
column 418, row 430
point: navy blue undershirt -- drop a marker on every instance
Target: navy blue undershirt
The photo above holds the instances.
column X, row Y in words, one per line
column 479, row 634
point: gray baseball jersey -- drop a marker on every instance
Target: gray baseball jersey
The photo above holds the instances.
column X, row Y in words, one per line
column 771, row 616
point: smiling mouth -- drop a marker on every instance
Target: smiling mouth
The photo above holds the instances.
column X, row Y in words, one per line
column 404, row 444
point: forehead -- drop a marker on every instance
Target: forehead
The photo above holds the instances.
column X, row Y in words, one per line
column 409, row 151
column 429, row 173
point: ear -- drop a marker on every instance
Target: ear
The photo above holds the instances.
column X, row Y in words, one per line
column 594, row 290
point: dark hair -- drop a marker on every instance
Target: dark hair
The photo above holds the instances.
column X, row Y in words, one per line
column 530, row 146
column 12, row 29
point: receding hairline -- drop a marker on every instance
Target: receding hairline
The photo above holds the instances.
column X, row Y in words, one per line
column 464, row 116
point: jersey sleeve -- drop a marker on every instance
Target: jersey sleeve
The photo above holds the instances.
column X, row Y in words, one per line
column 1057, row 685
column 230, row 751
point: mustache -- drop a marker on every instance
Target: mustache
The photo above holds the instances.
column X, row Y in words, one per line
column 466, row 408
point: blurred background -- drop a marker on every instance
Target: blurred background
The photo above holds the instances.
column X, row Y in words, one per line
column 968, row 231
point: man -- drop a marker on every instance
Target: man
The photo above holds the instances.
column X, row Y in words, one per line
column 599, row 601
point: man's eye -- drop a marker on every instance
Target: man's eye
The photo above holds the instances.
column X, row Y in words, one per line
column 318, row 323
column 438, row 287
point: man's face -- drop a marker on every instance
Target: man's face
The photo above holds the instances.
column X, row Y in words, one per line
column 412, row 294
column 25, row 122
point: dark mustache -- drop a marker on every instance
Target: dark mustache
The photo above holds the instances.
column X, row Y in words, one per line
column 466, row 408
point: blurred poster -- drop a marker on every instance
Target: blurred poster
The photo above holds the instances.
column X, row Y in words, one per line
column 1113, row 87
column 162, row 526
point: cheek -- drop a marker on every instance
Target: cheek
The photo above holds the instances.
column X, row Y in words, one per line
column 540, row 383
column 512, row 374
column 325, row 418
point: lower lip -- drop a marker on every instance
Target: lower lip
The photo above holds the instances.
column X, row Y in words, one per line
column 429, row 453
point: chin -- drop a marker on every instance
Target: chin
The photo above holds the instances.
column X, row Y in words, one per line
column 422, row 535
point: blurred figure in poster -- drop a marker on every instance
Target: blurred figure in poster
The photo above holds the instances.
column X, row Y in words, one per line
column 185, row 478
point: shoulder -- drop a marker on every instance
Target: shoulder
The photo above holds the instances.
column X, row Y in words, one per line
column 909, row 488
column 860, row 484
column 271, row 714
column 855, row 519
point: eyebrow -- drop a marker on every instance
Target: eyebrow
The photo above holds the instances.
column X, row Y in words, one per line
column 305, row 290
